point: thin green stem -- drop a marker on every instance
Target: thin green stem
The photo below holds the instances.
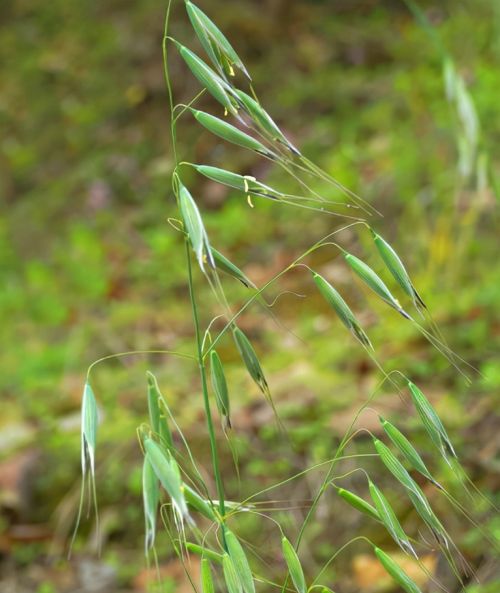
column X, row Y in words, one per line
column 201, row 364
column 173, row 130
column 204, row 386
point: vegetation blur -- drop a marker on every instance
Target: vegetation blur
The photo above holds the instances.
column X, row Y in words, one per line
column 400, row 109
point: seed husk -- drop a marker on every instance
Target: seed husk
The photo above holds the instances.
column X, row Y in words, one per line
column 88, row 430
column 250, row 359
column 159, row 423
column 207, row 582
column 423, row 508
column 396, row 572
column 194, row 228
column 224, row 264
column 219, row 385
column 431, row 421
column 198, row 503
column 294, row 566
column 393, row 464
column 214, row 42
column 167, row 471
column 240, row 561
column 214, row 84
column 358, row 503
column 244, row 183
column 231, row 577
column 407, row 449
column 230, row 133
column 396, row 268
column 151, row 497
column 333, row 298
column 415, row 493
column 371, row 279
column 263, row 119
column 389, row 519
column 204, row 552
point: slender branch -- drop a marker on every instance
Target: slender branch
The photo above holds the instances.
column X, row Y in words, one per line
column 201, row 364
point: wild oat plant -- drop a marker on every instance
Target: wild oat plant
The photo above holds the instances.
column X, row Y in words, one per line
column 176, row 497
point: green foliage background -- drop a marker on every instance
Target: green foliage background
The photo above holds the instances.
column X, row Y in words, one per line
column 89, row 265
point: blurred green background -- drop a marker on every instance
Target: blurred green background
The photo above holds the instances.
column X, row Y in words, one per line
column 90, row 266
